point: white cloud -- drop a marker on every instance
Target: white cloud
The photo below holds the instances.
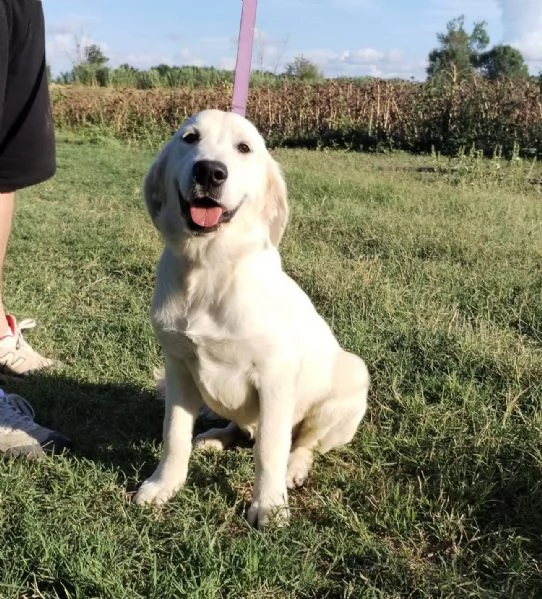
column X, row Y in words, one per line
column 66, row 49
column 146, row 60
column 267, row 51
column 522, row 23
column 65, row 42
column 366, row 61
column 370, row 56
column 227, row 62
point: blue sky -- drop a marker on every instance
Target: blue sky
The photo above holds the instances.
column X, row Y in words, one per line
column 385, row 38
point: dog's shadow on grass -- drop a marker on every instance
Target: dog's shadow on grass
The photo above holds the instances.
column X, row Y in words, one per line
column 116, row 425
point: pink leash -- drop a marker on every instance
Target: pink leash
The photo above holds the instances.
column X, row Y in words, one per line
column 244, row 57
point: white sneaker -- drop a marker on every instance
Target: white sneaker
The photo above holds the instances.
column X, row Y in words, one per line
column 16, row 356
column 20, row 435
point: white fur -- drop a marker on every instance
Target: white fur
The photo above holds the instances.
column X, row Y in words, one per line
column 236, row 331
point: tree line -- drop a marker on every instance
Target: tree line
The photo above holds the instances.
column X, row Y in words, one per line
column 92, row 69
column 460, row 55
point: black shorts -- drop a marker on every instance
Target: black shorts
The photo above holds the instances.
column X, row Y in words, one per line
column 27, row 142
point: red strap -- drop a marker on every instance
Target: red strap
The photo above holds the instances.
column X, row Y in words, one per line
column 12, row 326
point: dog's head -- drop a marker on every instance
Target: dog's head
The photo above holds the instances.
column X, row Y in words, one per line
column 216, row 174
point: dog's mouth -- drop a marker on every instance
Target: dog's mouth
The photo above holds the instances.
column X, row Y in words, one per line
column 205, row 215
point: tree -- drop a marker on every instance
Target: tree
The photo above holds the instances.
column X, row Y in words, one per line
column 91, row 68
column 303, row 68
column 503, row 61
column 94, row 56
column 459, row 51
column 163, row 69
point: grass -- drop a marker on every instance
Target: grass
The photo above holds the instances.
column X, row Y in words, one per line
column 433, row 277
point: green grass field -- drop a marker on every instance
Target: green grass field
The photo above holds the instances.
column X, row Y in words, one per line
column 434, row 278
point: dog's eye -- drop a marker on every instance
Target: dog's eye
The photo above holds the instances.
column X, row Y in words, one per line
column 243, row 148
column 191, row 137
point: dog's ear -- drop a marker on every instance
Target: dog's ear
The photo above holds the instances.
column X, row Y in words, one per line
column 275, row 209
column 154, row 190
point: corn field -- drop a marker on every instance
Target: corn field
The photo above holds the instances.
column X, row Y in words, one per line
column 378, row 115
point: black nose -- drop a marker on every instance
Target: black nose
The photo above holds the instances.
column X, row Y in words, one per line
column 209, row 173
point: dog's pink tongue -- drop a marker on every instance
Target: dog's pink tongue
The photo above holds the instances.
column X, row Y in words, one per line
column 206, row 217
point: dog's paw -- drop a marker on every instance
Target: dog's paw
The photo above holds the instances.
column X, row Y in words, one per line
column 296, row 478
column 214, row 439
column 155, row 493
column 217, row 438
column 206, row 443
column 259, row 515
column 299, row 465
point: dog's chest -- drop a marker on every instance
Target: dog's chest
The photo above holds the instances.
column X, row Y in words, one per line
column 222, row 365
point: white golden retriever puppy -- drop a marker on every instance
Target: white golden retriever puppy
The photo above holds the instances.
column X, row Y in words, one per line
column 237, row 333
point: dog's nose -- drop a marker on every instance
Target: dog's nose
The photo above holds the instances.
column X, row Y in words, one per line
column 209, row 172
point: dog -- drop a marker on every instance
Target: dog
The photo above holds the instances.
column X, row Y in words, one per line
column 237, row 333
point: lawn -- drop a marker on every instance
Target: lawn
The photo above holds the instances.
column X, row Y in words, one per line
column 434, row 278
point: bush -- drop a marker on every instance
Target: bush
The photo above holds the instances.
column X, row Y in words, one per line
column 360, row 115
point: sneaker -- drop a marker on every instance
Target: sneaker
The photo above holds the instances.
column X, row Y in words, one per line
column 20, row 435
column 16, row 356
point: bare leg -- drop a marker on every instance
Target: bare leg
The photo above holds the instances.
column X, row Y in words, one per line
column 7, row 205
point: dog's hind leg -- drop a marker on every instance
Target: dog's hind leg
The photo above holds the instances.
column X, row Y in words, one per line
column 332, row 423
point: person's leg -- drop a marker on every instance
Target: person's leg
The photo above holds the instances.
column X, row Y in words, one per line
column 27, row 148
column 7, row 200
column 7, row 203
column 27, row 157
column 16, row 356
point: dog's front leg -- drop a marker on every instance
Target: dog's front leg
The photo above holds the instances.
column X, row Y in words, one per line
column 183, row 401
column 271, row 451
